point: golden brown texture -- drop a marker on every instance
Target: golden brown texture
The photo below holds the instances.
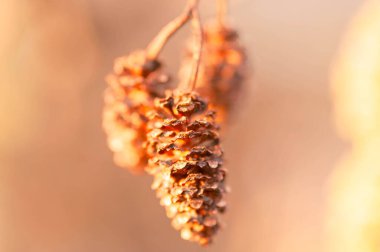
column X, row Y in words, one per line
column 136, row 81
column 185, row 159
column 221, row 72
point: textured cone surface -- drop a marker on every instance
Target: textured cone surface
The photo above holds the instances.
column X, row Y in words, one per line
column 221, row 72
column 186, row 162
column 133, row 85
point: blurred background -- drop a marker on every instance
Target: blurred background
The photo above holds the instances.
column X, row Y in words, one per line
column 59, row 188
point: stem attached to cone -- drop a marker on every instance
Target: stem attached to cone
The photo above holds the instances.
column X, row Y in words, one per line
column 155, row 47
column 197, row 50
column 221, row 11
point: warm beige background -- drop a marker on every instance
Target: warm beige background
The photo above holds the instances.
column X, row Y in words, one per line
column 59, row 190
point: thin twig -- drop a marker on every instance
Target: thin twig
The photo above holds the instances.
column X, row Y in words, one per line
column 155, row 47
column 221, row 11
column 197, row 50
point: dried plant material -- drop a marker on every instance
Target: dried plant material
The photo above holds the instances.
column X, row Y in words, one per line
column 136, row 81
column 221, row 71
column 185, row 159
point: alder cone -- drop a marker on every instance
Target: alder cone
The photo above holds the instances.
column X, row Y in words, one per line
column 133, row 85
column 186, row 162
column 221, row 73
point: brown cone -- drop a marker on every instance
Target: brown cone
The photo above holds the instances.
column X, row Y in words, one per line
column 133, row 85
column 185, row 159
column 221, row 72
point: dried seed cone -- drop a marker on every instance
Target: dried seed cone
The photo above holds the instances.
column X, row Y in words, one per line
column 133, row 85
column 221, row 72
column 186, row 162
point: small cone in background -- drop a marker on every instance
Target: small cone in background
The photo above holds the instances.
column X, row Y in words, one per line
column 185, row 159
column 354, row 209
column 221, row 73
column 133, row 85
